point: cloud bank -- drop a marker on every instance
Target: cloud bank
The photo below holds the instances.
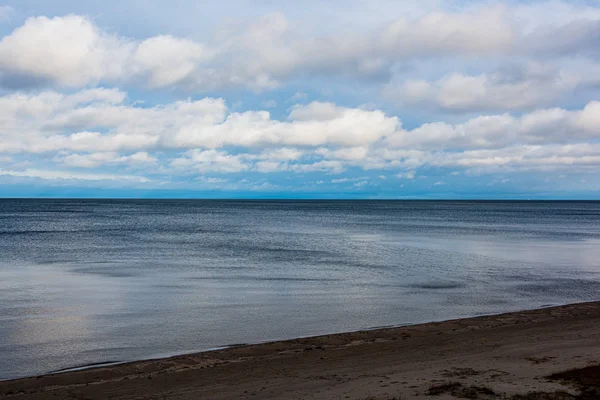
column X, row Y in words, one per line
column 439, row 94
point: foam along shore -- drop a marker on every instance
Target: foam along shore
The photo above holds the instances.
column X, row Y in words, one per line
column 521, row 355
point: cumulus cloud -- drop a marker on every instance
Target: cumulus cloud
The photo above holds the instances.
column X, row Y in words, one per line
column 526, row 157
column 541, row 126
column 516, row 87
column 97, row 127
column 210, row 161
column 98, row 121
column 64, row 175
column 168, row 61
column 485, row 88
column 70, row 51
column 310, row 125
column 212, row 180
column 92, row 160
column 407, row 175
column 74, row 51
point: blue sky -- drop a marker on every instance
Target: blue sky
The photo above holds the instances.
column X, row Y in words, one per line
column 265, row 99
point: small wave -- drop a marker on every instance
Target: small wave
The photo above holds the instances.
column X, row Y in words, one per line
column 87, row 366
column 439, row 285
column 104, row 272
column 261, row 278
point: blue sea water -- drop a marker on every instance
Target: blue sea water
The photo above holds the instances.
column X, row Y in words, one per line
column 94, row 281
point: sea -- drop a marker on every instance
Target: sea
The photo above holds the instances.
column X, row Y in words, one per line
column 93, row 282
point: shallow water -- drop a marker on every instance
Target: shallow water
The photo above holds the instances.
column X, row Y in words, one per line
column 94, row 281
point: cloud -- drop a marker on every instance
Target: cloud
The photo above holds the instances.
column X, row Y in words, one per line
column 282, row 154
column 169, row 61
column 310, row 125
column 516, row 87
column 525, row 157
column 340, row 180
column 576, row 37
column 71, row 51
column 479, row 31
column 554, row 125
column 97, row 128
column 97, row 120
column 212, row 180
column 326, row 166
column 210, row 161
column 407, row 175
column 93, row 160
column 69, row 175
column 264, row 53
column 576, row 157
column 450, row 90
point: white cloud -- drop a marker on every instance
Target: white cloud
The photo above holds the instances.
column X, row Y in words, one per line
column 526, row 156
column 541, row 126
column 311, row 125
column 69, row 50
column 572, row 37
column 262, row 54
column 514, row 88
column 348, row 153
column 407, row 175
column 210, row 161
column 169, row 61
column 480, row 31
column 96, row 127
column 212, row 180
column 271, row 166
column 97, row 121
column 69, row 175
column 282, row 154
column 327, row 166
column 93, row 160
column 265, row 186
column 340, row 180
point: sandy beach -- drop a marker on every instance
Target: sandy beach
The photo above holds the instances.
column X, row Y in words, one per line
column 513, row 356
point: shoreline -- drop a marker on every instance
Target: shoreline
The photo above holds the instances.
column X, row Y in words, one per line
column 507, row 353
column 102, row 364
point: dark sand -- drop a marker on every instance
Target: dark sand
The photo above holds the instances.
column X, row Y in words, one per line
column 491, row 357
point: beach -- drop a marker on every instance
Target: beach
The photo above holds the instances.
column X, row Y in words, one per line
column 499, row 356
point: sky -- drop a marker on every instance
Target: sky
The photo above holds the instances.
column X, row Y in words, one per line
column 300, row 99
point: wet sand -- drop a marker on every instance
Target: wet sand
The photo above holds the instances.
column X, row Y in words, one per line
column 502, row 356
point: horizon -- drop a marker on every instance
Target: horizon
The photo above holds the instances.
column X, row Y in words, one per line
column 313, row 199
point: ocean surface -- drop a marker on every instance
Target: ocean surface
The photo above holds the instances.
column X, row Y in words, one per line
column 97, row 281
